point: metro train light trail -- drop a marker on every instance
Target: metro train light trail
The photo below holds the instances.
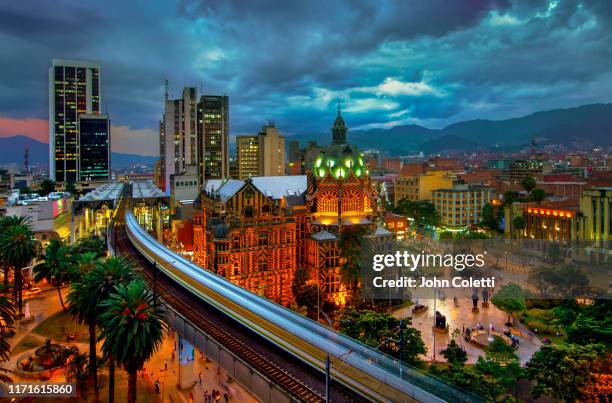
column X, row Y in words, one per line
column 368, row 372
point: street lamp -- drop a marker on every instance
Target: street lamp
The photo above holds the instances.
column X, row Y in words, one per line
column 155, row 283
column 401, row 346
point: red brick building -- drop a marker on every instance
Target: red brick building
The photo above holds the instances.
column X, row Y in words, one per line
column 257, row 232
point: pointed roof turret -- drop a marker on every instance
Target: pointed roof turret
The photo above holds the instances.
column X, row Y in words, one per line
column 339, row 128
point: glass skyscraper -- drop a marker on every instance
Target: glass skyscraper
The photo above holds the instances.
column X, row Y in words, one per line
column 94, row 148
column 74, row 89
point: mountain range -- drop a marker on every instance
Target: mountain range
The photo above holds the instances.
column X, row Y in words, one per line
column 12, row 151
column 587, row 124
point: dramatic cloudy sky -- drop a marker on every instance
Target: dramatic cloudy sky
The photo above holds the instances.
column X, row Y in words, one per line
column 429, row 62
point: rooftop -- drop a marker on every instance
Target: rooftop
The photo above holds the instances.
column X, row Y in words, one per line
column 108, row 191
column 146, row 190
column 275, row 187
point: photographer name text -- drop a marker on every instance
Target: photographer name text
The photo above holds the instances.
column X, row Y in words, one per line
column 434, row 282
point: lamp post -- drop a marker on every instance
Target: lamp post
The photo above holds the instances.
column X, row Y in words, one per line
column 433, row 329
column 327, row 379
column 401, row 347
column 155, row 283
column 318, row 294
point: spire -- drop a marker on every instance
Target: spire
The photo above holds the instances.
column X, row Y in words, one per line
column 339, row 129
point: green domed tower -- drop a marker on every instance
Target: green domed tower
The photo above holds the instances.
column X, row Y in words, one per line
column 339, row 130
column 339, row 158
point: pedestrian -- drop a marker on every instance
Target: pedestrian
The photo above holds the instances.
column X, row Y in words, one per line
column 226, row 397
column 166, row 364
column 200, row 376
column 157, row 386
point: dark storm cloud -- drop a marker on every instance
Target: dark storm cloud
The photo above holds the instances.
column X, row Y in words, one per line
column 429, row 62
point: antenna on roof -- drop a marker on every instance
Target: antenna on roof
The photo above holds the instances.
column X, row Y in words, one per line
column 166, row 91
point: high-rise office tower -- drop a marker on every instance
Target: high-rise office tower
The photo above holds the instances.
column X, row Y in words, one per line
column 178, row 134
column 247, row 156
column 271, row 151
column 94, row 148
column 213, row 137
column 74, row 89
column 160, row 166
column 262, row 154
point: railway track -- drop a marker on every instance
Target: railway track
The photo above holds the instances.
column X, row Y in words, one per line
column 301, row 381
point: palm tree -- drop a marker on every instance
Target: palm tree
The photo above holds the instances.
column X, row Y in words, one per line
column 76, row 371
column 57, row 266
column 132, row 328
column 538, row 195
column 7, row 318
column 76, row 304
column 17, row 247
column 93, row 244
column 84, row 264
column 528, row 183
column 85, row 298
column 5, row 223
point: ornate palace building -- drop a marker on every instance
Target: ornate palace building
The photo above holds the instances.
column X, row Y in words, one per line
column 257, row 232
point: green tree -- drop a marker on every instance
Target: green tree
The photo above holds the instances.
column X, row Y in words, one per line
column 455, row 354
column 86, row 296
column 537, row 195
column 500, row 351
column 590, row 330
column 529, row 183
column 413, row 346
column 510, row 299
column 93, row 244
column 573, row 281
column 518, row 224
column 467, row 378
column 561, row 371
column 76, row 371
column 381, row 330
column 510, row 197
column 567, row 312
column 57, row 266
column 489, row 218
column 501, row 364
column 306, row 294
column 5, row 224
column 545, row 279
column 350, row 252
column 17, row 248
column 71, row 188
column 132, row 329
column 422, row 212
column 7, row 318
column 46, row 186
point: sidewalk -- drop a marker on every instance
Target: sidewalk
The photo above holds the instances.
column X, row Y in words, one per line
column 211, row 379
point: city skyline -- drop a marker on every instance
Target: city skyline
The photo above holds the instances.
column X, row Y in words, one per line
column 387, row 71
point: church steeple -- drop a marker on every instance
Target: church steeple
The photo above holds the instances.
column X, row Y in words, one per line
column 339, row 128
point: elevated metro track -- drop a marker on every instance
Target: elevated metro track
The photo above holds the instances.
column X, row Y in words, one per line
column 289, row 349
